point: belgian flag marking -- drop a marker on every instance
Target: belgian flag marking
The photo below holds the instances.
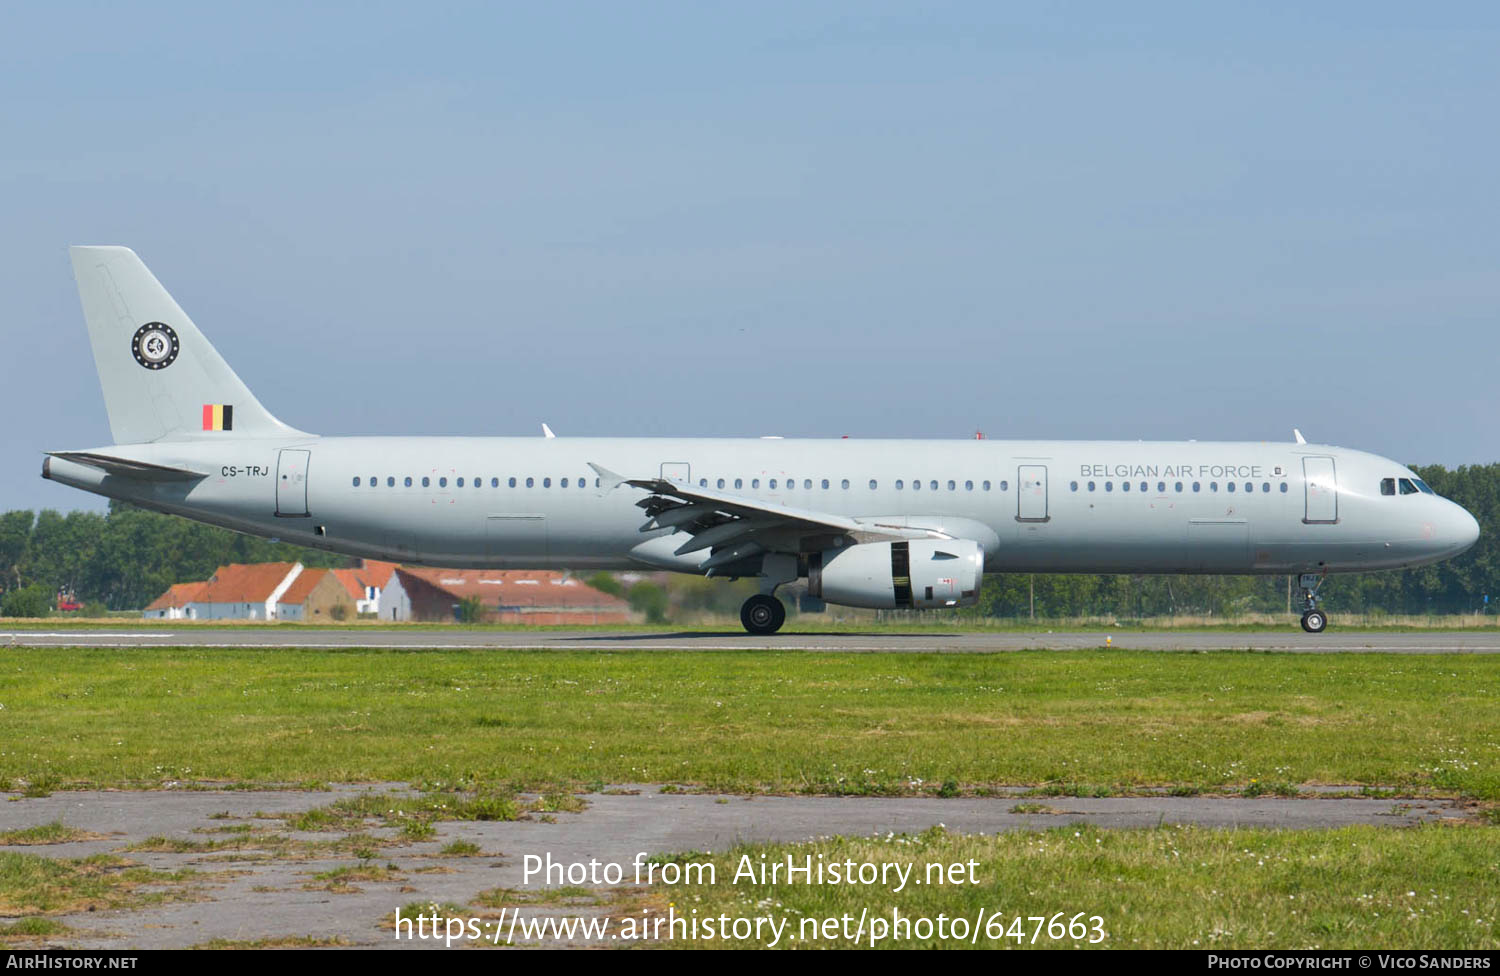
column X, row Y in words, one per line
column 218, row 416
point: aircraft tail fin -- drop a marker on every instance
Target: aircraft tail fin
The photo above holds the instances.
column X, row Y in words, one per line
column 161, row 378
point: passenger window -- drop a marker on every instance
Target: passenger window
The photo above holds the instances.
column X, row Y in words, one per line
column 1072, row 486
column 1145, row 487
column 1265, row 487
column 739, row 482
column 494, row 482
column 1283, row 487
column 773, row 484
column 702, row 482
column 825, row 484
column 408, row 481
column 426, row 482
column 952, row 486
column 1177, row 487
column 1229, row 486
column 1109, row 486
column 899, row 484
column 754, row 482
column 1005, row 486
column 1124, row 486
column 1213, row 486
column 1197, row 485
column 1407, row 488
column 1091, row 486
column 1249, row 487
column 845, row 483
column 563, row 483
column 916, row 485
column 932, row 485
column 720, row 483
column 459, row 483
column 512, row 482
column 530, row 482
column 986, row 486
column 872, row 484
column 1161, row 487
column 546, row 482
column 807, row 484
column 968, row 486
column 390, row 482
column 356, row 481
column 1387, row 486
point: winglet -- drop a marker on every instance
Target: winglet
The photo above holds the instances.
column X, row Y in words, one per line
column 608, row 479
column 1298, row 434
column 547, row 432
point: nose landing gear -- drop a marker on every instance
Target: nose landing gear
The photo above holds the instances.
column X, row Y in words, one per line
column 1313, row 619
column 762, row 614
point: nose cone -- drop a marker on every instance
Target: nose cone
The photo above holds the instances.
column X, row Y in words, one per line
column 1461, row 530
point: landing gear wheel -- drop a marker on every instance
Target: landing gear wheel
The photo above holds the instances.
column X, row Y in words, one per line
column 1313, row 619
column 762, row 614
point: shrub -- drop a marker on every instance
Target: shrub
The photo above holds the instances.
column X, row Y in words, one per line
column 31, row 601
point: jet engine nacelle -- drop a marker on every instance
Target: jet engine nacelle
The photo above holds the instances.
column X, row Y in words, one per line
column 921, row 574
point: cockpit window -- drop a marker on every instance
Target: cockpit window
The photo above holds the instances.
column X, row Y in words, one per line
column 1423, row 485
column 1387, row 486
column 1407, row 488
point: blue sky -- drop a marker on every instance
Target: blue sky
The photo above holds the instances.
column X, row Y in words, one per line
column 1052, row 220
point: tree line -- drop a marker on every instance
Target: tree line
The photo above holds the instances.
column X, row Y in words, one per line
column 127, row 557
column 124, row 559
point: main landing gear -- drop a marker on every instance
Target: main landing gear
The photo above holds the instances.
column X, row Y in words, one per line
column 1313, row 619
column 762, row 614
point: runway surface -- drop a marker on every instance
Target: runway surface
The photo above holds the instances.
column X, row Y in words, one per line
column 1330, row 641
column 248, row 894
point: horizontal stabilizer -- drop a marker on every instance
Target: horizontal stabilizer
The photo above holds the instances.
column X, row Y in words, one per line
column 127, row 468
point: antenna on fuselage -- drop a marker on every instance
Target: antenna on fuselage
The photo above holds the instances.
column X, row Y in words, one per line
column 1298, row 434
column 547, row 432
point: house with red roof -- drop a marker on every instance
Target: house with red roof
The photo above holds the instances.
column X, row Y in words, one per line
column 316, row 596
column 512, row 596
column 175, row 604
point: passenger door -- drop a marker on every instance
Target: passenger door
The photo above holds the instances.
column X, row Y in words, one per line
column 1321, row 484
column 291, row 484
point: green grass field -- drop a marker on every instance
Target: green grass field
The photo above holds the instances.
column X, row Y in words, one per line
column 1088, row 721
column 837, row 621
column 1174, row 887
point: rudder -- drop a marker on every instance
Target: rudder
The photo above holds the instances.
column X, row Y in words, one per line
column 161, row 378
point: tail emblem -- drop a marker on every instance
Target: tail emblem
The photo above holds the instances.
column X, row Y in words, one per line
column 218, row 416
column 155, row 345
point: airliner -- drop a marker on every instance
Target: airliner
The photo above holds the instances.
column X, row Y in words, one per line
column 865, row 523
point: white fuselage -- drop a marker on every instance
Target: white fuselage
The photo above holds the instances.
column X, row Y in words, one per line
column 1034, row 506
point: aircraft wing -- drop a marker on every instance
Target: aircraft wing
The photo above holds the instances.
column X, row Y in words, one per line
column 733, row 527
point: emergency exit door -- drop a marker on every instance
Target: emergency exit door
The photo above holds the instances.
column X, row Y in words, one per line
column 1031, row 494
column 291, row 484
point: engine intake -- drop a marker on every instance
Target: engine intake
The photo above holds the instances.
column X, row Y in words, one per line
column 922, row 574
